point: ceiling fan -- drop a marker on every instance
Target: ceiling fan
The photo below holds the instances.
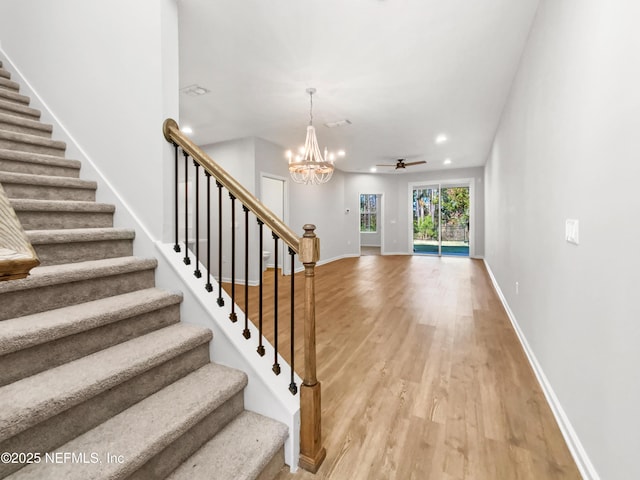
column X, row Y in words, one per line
column 400, row 163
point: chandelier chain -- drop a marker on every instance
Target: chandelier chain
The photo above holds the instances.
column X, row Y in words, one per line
column 311, row 108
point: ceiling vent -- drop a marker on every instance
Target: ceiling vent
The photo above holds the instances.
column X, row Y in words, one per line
column 339, row 123
column 194, row 90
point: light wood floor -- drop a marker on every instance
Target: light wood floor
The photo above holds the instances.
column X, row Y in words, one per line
column 422, row 375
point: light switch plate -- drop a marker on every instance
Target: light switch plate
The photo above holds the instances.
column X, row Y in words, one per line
column 572, row 231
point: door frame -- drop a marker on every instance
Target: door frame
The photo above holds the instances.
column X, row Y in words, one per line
column 286, row 263
column 446, row 182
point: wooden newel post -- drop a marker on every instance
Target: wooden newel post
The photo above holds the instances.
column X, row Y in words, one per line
column 312, row 452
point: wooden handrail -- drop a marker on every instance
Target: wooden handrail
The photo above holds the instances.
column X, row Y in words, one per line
column 17, row 256
column 173, row 135
column 312, row 453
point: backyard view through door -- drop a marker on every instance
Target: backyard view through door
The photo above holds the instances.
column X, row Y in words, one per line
column 441, row 220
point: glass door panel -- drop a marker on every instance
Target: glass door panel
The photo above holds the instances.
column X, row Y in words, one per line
column 426, row 220
column 454, row 220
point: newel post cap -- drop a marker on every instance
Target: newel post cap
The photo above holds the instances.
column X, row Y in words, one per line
column 309, row 245
column 309, row 230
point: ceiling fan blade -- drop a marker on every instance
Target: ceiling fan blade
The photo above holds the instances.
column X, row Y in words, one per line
column 414, row 163
column 385, row 165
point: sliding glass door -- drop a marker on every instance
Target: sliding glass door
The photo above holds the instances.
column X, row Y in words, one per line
column 454, row 220
column 426, row 220
column 441, row 220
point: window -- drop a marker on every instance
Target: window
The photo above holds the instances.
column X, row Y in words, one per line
column 368, row 213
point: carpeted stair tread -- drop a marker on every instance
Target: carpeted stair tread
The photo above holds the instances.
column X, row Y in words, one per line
column 38, row 160
column 75, row 272
column 10, row 96
column 14, row 123
column 34, row 399
column 21, row 204
column 53, row 214
column 46, row 180
column 13, row 140
column 75, row 235
column 19, row 109
column 146, row 428
column 240, row 451
column 47, row 187
column 58, row 246
column 8, row 84
column 35, row 329
column 4, row 73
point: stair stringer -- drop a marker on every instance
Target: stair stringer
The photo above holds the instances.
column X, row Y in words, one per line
column 265, row 394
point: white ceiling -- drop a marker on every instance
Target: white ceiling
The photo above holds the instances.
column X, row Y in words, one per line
column 402, row 71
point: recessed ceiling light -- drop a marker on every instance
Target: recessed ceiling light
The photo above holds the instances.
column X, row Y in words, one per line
column 341, row 153
column 373, row 170
column 194, row 90
column 447, row 161
column 441, row 138
column 187, row 130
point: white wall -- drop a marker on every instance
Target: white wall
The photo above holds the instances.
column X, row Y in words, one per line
column 108, row 70
column 567, row 147
column 371, row 239
column 322, row 206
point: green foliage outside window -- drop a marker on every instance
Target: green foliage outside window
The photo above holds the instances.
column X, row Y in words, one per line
column 368, row 213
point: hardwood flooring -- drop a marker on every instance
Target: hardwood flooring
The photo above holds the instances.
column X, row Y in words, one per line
column 422, row 374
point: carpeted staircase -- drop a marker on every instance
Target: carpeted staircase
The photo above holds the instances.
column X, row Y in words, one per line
column 95, row 365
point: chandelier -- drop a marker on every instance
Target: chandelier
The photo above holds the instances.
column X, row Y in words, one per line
column 309, row 166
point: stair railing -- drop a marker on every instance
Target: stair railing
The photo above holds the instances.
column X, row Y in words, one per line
column 17, row 256
column 307, row 247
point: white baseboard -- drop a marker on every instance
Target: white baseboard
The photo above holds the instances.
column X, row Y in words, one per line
column 329, row 260
column 339, row 257
column 579, row 454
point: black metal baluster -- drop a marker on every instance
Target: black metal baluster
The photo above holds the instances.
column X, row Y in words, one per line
column 293, row 388
column 276, row 365
column 186, row 258
column 232, row 316
column 176, row 245
column 246, row 333
column 197, row 272
column 220, row 299
column 260, row 346
column 208, row 286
